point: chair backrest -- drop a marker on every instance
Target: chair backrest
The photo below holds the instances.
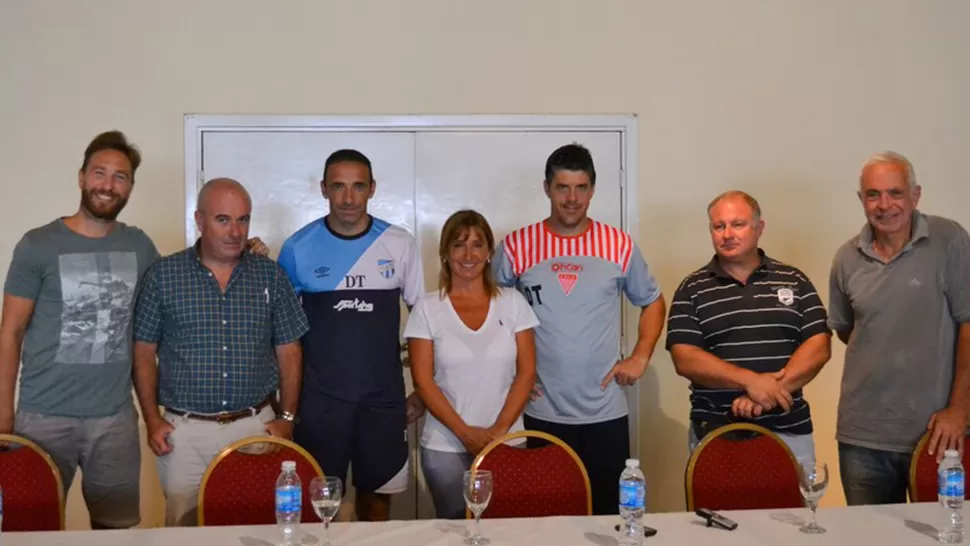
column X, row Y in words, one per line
column 742, row 466
column 238, row 486
column 549, row 480
column 33, row 493
column 923, row 485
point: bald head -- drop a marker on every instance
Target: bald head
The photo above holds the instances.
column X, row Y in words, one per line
column 217, row 189
column 222, row 216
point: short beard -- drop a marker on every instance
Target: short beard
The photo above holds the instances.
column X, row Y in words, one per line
column 92, row 208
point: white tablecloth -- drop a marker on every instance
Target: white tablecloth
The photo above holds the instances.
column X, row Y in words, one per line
column 903, row 525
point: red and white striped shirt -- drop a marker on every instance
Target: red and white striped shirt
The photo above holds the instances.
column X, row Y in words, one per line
column 531, row 245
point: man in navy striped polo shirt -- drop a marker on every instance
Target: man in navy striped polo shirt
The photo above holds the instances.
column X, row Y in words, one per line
column 748, row 332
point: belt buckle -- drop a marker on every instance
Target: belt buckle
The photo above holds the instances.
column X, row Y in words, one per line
column 223, row 418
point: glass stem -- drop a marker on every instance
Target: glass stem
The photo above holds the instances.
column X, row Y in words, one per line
column 478, row 524
column 326, row 530
column 814, row 524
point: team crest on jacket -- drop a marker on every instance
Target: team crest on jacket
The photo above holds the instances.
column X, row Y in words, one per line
column 786, row 296
column 385, row 268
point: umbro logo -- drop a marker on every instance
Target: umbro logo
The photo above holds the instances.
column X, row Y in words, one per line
column 322, row 271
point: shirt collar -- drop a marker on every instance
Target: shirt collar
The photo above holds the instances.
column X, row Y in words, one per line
column 715, row 270
column 921, row 230
column 196, row 255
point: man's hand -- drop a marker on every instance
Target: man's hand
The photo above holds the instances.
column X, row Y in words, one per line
column 947, row 428
column 743, row 406
column 158, row 431
column 766, row 390
column 475, row 439
column 415, row 407
column 257, row 246
column 626, row 371
column 281, row 428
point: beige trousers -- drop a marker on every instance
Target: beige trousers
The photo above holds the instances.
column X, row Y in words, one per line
column 195, row 444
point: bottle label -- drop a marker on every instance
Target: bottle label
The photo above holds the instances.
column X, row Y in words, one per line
column 288, row 500
column 632, row 495
column 951, row 483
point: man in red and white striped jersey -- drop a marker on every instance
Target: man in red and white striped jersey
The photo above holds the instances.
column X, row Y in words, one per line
column 572, row 270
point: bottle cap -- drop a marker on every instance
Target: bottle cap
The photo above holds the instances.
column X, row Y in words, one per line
column 952, row 453
column 633, row 463
column 289, row 466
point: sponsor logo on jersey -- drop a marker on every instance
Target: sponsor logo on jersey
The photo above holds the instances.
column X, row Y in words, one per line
column 355, row 304
column 567, row 281
column 354, row 281
column 385, row 268
column 568, row 274
column 322, row 271
column 566, row 267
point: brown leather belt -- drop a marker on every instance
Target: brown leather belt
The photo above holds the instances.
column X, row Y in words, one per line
column 222, row 417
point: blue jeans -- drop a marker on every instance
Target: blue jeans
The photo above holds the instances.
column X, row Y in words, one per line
column 871, row 476
column 444, row 471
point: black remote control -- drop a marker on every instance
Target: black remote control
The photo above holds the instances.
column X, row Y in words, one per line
column 713, row 518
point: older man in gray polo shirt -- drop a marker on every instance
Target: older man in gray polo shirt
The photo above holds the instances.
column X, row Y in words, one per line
column 900, row 300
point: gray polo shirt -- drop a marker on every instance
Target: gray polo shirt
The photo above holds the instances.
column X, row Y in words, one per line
column 904, row 316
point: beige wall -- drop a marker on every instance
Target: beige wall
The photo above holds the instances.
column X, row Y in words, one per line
column 782, row 99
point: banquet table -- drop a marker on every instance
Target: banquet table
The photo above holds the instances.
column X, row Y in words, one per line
column 888, row 525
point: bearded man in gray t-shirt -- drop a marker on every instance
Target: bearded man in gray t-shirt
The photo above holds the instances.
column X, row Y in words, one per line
column 67, row 314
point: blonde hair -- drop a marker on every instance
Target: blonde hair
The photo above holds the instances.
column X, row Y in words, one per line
column 455, row 229
column 751, row 201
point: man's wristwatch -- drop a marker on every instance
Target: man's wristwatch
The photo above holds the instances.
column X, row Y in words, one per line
column 287, row 416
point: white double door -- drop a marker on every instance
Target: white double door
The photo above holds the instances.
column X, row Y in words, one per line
column 422, row 178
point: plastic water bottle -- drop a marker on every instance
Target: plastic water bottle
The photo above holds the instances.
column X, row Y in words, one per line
column 633, row 493
column 950, row 476
column 289, row 503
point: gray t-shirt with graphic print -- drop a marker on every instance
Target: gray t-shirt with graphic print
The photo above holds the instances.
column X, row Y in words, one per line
column 575, row 285
column 77, row 350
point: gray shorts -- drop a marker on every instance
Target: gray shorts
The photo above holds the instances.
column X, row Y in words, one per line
column 107, row 449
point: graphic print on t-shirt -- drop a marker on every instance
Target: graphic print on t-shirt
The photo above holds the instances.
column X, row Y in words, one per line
column 97, row 289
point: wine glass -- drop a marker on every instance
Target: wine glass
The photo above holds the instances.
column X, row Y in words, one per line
column 325, row 495
column 477, row 487
column 813, row 478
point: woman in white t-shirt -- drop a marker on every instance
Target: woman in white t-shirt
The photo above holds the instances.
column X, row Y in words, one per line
column 472, row 356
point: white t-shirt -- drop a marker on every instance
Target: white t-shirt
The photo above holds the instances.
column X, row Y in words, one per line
column 474, row 369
